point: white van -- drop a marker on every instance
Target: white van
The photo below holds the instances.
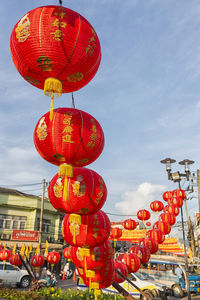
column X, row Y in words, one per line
column 151, row 288
column 12, row 275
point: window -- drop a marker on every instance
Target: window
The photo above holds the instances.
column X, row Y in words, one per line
column 10, row 268
column 45, row 225
column 12, row 222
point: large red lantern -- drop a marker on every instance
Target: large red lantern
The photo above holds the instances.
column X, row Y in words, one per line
column 168, row 218
column 163, row 226
column 157, row 235
column 67, row 252
column 73, row 137
column 176, row 201
column 156, row 206
column 150, row 243
column 142, row 252
column 131, row 260
column 92, row 258
column 129, row 224
column 103, row 277
column 84, row 193
column 179, row 193
column 5, row 254
column 167, row 195
column 37, row 260
column 53, row 257
column 122, row 268
column 15, row 260
column 55, row 49
column 171, row 208
column 143, row 215
column 86, row 230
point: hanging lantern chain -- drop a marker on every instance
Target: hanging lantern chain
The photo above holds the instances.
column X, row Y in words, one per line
column 73, row 103
column 60, row 2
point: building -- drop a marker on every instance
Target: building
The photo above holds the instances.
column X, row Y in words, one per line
column 20, row 220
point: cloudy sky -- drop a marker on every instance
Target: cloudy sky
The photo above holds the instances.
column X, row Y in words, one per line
column 146, row 96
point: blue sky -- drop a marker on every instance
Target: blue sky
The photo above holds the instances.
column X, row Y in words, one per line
column 146, row 96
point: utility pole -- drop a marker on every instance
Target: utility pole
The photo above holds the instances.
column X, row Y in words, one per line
column 41, row 213
column 198, row 186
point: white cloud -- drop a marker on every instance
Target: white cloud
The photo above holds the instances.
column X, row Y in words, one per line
column 132, row 201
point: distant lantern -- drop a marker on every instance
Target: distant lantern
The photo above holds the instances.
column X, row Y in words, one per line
column 157, row 234
column 163, row 226
column 5, row 254
column 55, row 49
column 129, row 224
column 73, row 138
column 150, row 243
column 15, row 260
column 83, row 193
column 67, row 252
column 167, row 195
column 122, row 268
column 115, row 234
column 176, row 201
column 37, row 260
column 53, row 257
column 168, row 218
column 143, row 215
column 142, row 252
column 156, row 206
column 179, row 193
column 148, row 224
column 171, row 208
column 131, row 260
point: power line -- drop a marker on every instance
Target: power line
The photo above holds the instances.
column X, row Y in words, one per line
column 15, row 185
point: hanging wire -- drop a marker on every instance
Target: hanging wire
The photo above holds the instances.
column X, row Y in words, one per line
column 60, row 2
column 73, row 103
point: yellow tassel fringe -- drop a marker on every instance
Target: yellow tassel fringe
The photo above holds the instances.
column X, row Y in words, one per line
column 53, row 87
column 65, row 170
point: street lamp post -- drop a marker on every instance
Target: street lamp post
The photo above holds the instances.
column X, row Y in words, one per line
column 176, row 177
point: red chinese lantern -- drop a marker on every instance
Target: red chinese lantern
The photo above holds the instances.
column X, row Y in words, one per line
column 176, row 201
column 86, row 230
column 129, row 224
column 115, row 233
column 156, row 206
column 148, row 224
column 55, row 49
column 67, row 252
column 131, row 260
column 168, row 218
column 92, row 258
column 167, row 195
column 53, row 257
column 163, row 226
column 5, row 254
column 171, row 208
column 84, row 193
column 122, row 268
column 143, row 215
column 179, row 193
column 73, row 137
column 15, row 260
column 101, row 278
column 157, row 235
column 37, row 260
column 150, row 243
column 142, row 252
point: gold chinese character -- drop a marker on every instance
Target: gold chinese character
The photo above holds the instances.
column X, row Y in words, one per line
column 93, row 136
column 89, row 50
column 67, row 138
column 44, row 63
column 57, row 35
column 57, row 23
column 94, row 128
column 67, row 120
column 60, row 14
column 68, row 129
column 91, row 144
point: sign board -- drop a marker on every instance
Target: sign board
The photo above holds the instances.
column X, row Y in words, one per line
column 24, row 235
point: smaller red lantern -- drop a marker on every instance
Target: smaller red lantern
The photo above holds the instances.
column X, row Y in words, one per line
column 156, row 206
column 168, row 218
column 5, row 254
column 53, row 257
column 143, row 215
column 163, row 226
column 67, row 252
column 15, row 260
column 176, row 201
column 171, row 208
column 156, row 234
column 150, row 243
column 37, row 260
column 142, row 252
column 179, row 193
column 148, row 224
column 121, row 267
column 129, row 224
column 131, row 260
column 167, row 195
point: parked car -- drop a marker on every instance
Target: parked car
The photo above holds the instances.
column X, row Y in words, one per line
column 12, row 275
column 151, row 288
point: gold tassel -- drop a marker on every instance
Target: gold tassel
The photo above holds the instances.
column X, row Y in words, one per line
column 65, row 191
column 51, row 108
column 65, row 170
column 74, row 218
column 53, row 86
